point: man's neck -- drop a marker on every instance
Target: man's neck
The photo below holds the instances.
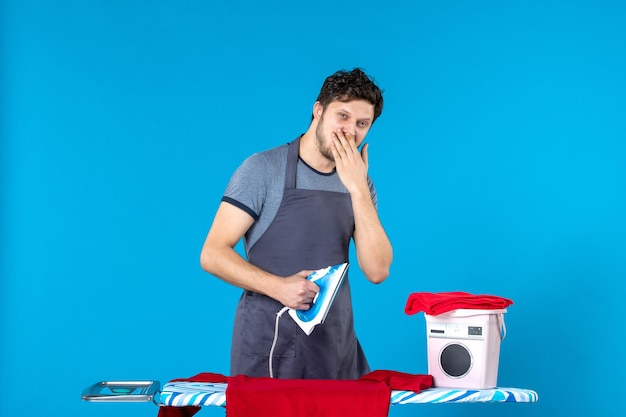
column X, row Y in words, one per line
column 310, row 154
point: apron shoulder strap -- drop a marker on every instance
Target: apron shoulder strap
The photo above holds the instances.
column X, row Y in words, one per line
column 292, row 163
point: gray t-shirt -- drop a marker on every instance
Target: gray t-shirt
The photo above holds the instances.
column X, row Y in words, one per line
column 257, row 187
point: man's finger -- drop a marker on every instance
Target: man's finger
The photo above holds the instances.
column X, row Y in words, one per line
column 365, row 154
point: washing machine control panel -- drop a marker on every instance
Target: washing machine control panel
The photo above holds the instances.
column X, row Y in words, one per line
column 455, row 331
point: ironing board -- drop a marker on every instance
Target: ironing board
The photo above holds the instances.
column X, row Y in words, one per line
column 180, row 394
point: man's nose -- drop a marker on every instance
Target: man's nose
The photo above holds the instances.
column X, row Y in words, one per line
column 349, row 128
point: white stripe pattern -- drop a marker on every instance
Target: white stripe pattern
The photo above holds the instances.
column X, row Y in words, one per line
column 180, row 394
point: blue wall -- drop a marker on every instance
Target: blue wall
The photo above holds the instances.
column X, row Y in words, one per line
column 500, row 161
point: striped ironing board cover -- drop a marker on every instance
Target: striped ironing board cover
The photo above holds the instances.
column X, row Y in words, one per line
column 179, row 394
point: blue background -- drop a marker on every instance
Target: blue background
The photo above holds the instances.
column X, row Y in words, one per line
column 500, row 163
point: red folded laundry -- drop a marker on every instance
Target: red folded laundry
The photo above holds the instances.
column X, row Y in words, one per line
column 401, row 381
column 438, row 303
column 368, row 396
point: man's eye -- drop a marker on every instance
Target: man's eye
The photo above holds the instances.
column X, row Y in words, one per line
column 343, row 115
column 363, row 124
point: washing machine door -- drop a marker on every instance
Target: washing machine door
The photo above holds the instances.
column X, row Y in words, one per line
column 455, row 360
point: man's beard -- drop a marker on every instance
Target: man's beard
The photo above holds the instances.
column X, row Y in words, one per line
column 322, row 145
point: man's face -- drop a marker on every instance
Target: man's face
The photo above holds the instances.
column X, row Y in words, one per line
column 352, row 117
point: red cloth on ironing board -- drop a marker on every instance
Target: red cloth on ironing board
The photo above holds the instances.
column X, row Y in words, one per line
column 368, row 396
column 272, row 397
column 401, row 381
column 439, row 303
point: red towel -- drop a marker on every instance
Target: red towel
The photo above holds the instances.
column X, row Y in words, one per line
column 401, row 381
column 271, row 397
column 438, row 303
column 368, row 396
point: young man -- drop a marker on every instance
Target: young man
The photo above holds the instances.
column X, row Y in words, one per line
column 297, row 206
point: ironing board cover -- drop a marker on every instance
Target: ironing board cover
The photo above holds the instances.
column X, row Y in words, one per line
column 180, row 394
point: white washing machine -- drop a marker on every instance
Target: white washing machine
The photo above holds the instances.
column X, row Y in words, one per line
column 464, row 348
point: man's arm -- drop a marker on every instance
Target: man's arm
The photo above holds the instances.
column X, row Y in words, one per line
column 219, row 258
column 373, row 248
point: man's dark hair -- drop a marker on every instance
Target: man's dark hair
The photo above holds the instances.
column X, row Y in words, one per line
column 351, row 85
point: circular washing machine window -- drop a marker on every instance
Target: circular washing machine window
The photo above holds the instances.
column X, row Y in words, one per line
column 455, row 360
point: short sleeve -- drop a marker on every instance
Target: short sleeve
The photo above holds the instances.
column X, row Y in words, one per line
column 248, row 185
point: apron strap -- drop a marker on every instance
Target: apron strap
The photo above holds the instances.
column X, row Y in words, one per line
column 292, row 163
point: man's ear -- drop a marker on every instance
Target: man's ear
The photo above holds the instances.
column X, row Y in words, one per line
column 318, row 109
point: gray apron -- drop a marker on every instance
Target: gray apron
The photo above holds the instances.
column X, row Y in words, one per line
column 312, row 230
